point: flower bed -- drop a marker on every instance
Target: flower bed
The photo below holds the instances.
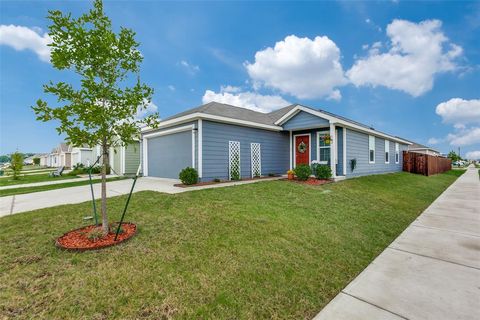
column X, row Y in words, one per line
column 206, row 183
column 77, row 240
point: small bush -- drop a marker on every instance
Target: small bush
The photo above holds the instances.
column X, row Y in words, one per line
column 95, row 234
column 188, row 176
column 271, row 174
column 217, row 180
column 323, row 171
column 36, row 161
column 303, row 171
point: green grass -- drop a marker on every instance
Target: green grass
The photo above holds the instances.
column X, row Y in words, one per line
column 13, row 191
column 269, row 250
column 22, row 179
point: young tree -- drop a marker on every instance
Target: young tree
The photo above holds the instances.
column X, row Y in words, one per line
column 36, row 161
column 102, row 109
column 16, row 164
column 453, row 156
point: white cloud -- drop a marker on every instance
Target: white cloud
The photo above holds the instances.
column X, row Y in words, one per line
column 459, row 112
column 434, row 141
column 417, row 53
column 473, row 155
column 24, row 38
column 190, row 68
column 301, row 67
column 247, row 99
column 171, row 88
column 464, row 137
column 151, row 108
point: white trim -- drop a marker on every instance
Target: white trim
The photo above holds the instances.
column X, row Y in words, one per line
column 122, row 160
column 309, row 147
column 200, row 148
column 145, row 156
column 193, row 149
column 200, row 115
column 397, row 151
column 318, row 146
column 291, row 155
column 344, row 151
column 259, row 156
column 167, row 132
column 387, row 149
column 369, row 149
column 336, row 120
column 333, row 150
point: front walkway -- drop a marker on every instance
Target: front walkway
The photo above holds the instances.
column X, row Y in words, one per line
column 45, row 199
column 431, row 271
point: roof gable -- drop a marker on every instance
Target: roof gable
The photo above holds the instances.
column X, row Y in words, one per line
column 304, row 120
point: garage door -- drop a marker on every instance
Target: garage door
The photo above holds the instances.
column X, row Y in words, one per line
column 169, row 154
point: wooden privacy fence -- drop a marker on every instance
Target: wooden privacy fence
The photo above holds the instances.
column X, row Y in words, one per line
column 425, row 164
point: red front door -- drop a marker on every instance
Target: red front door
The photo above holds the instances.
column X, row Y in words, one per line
column 302, row 149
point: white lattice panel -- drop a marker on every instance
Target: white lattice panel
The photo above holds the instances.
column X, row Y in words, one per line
column 234, row 160
column 256, row 159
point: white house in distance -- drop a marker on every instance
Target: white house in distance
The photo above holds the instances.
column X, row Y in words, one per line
column 83, row 155
column 420, row 148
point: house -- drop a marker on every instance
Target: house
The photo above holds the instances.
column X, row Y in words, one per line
column 223, row 141
column 28, row 161
column 44, row 159
column 61, row 156
column 82, row 155
column 419, row 148
column 123, row 160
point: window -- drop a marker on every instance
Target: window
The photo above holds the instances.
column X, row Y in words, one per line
column 397, row 152
column 387, row 151
column 371, row 149
column 323, row 147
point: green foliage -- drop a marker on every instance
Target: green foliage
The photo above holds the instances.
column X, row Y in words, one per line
column 16, row 164
column 95, row 234
column 453, row 156
column 188, row 176
column 4, row 158
column 36, row 161
column 322, row 171
column 303, row 171
column 102, row 109
column 353, row 164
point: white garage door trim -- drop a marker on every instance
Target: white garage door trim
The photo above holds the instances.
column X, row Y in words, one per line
column 164, row 133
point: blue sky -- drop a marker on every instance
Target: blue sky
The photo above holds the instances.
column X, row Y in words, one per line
column 407, row 68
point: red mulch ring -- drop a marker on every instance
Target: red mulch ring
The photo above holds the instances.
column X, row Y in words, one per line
column 313, row 181
column 77, row 240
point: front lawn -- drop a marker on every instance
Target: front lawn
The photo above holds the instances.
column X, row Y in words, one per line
column 269, row 250
column 68, row 183
column 22, row 179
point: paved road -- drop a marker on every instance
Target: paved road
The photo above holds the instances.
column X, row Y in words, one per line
column 431, row 271
column 45, row 199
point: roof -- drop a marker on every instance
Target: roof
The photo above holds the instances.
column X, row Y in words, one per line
column 266, row 119
column 418, row 146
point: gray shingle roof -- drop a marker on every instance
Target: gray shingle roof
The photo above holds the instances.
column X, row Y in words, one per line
column 229, row 111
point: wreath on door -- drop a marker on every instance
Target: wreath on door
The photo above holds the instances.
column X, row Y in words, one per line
column 302, row 147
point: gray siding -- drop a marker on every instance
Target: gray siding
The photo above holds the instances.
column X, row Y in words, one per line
column 357, row 147
column 274, row 149
column 339, row 145
column 132, row 158
column 304, row 120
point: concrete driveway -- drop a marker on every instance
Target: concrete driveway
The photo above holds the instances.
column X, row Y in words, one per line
column 431, row 271
column 45, row 199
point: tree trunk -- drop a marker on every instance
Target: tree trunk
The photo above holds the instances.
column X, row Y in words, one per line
column 104, row 188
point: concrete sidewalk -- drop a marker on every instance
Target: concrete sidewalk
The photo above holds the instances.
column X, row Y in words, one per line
column 46, row 183
column 431, row 271
column 45, row 199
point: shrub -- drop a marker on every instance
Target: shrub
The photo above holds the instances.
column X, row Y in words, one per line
column 188, row 176
column 95, row 234
column 217, row 180
column 323, row 171
column 17, row 164
column 36, row 161
column 303, row 171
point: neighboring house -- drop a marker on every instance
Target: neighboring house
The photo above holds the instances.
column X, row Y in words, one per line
column 28, row 161
column 123, row 160
column 419, row 148
column 220, row 140
column 61, row 156
column 44, row 159
column 83, row 155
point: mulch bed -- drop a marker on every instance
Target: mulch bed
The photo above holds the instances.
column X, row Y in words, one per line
column 76, row 240
column 312, row 181
column 206, row 183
